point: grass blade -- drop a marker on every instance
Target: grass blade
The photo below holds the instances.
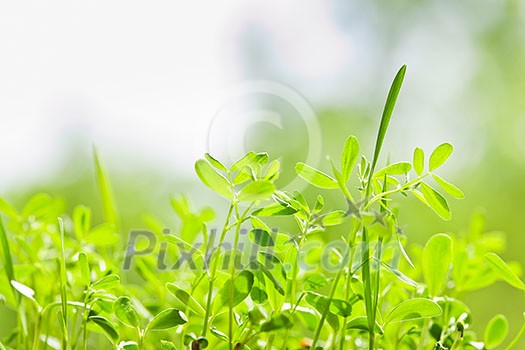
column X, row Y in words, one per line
column 63, row 283
column 7, row 261
column 387, row 112
column 104, row 187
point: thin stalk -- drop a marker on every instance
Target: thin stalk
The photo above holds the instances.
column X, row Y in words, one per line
column 213, row 272
column 368, row 290
column 395, row 190
column 376, row 296
column 327, row 308
column 516, row 339
column 232, row 275
column 347, row 293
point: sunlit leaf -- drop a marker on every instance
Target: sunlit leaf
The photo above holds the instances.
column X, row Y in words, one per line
column 504, row 271
column 109, row 329
column 496, row 331
column 436, row 260
column 186, row 298
column 440, row 155
column 315, row 177
column 436, row 201
column 413, row 309
column 349, row 157
column 211, row 178
column 256, row 191
column 125, row 312
column 419, row 161
column 167, row 319
column 448, row 187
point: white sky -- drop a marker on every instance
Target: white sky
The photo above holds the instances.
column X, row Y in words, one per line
column 137, row 79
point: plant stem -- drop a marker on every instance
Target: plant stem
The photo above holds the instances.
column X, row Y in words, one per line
column 516, row 339
column 214, row 261
column 232, row 275
column 327, row 308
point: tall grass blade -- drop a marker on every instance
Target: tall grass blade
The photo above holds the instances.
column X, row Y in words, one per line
column 104, row 187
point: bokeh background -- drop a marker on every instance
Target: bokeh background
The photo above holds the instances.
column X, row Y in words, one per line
column 150, row 85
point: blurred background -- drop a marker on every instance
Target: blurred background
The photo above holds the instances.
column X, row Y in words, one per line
column 154, row 86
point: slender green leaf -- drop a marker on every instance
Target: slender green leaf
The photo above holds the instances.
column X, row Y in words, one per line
column 106, row 282
column 257, row 191
column 109, row 329
column 242, row 285
column 279, row 321
column 436, row 201
column 419, row 161
column 85, row 273
column 63, row 274
column 448, row 187
column 440, row 155
column 186, row 298
column 275, row 209
column 8, row 209
column 125, row 312
column 349, row 157
column 261, row 237
column 218, row 165
column 400, row 168
column 315, row 177
column 504, row 271
column 361, row 323
column 333, row 218
column 167, row 319
column 496, row 331
column 106, row 192
column 211, row 178
column 247, row 160
column 413, row 309
column 7, row 260
column 436, row 260
column 387, row 112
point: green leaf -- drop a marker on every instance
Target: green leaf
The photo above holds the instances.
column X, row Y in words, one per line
column 63, row 274
column 8, row 209
column 257, row 191
column 400, row 168
column 85, row 273
column 258, row 295
column 275, row 209
column 496, row 331
column 261, row 237
column 387, row 112
column 333, row 218
column 26, row 291
column 186, row 299
column 341, row 307
column 315, row 177
column 413, row 309
column 440, row 155
column 419, row 161
column 361, row 323
column 106, row 192
column 107, row 282
column 279, row 321
column 167, row 319
column 448, row 187
column 242, row 285
column 320, row 303
column 436, row 201
column 504, row 271
column 436, row 260
column 7, row 260
column 222, row 336
column 211, row 178
column 128, row 345
column 401, row 276
column 109, row 329
column 319, row 204
column 81, row 221
column 123, row 309
column 247, row 160
column 349, row 157
column 218, row 165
